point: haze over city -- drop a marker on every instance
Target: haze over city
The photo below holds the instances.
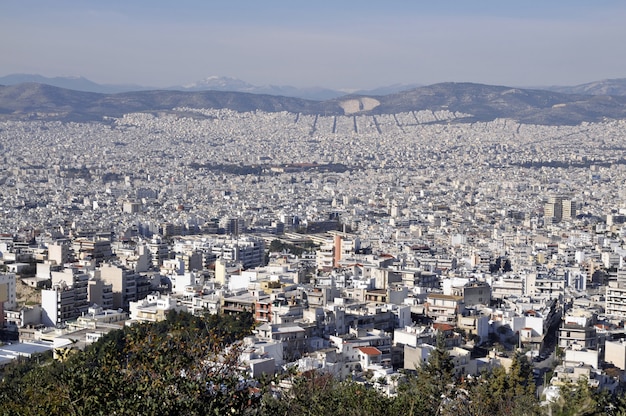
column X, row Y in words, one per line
column 340, row 45
column 271, row 208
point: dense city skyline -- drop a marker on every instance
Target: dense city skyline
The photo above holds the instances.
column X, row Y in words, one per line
column 347, row 46
column 458, row 247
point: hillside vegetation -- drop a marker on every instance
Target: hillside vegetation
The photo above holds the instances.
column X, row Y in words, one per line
column 190, row 365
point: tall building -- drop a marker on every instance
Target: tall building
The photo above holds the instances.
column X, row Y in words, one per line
column 553, row 209
column 67, row 299
column 159, row 251
column 93, row 248
column 616, row 296
column 232, row 226
column 59, row 252
column 126, row 285
column 568, row 209
column 559, row 208
column 248, row 251
column 7, row 294
column 100, row 293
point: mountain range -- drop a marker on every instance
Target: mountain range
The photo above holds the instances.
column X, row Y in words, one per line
column 473, row 102
column 212, row 83
column 71, row 83
column 222, row 83
column 604, row 87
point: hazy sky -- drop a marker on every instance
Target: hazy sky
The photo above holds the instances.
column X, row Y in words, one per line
column 335, row 44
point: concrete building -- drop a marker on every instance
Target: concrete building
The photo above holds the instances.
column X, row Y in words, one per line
column 59, row 252
column 67, row 299
column 581, row 336
column 616, row 296
column 248, row 251
column 21, row 317
column 444, row 308
column 416, row 356
column 126, row 285
column 159, row 251
column 8, row 298
column 153, row 308
column 553, row 209
column 99, row 292
column 615, row 353
column 97, row 249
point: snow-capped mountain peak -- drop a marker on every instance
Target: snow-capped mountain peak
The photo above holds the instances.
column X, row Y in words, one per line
column 219, row 83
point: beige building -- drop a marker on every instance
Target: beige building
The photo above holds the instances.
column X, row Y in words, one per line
column 7, row 294
column 615, row 353
column 444, row 308
column 153, row 308
column 126, row 286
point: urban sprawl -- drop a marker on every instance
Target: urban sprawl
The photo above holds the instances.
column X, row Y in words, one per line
column 354, row 240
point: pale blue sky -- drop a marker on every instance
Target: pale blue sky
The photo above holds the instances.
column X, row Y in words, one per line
column 334, row 44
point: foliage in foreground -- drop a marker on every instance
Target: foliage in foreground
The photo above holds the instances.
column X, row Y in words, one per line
column 179, row 367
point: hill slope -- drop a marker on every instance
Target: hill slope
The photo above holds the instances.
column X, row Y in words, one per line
column 481, row 102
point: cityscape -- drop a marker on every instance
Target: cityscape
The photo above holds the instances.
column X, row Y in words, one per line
column 312, row 208
column 355, row 240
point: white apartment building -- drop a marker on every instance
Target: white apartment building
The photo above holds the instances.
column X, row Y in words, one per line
column 67, row 299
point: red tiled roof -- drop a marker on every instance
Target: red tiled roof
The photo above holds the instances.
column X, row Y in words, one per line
column 443, row 327
column 442, row 296
column 370, row 351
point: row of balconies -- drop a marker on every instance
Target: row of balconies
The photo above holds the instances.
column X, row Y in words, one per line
column 616, row 307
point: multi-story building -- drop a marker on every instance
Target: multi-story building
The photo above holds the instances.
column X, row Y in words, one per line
column 325, row 257
column 97, row 249
column 568, row 210
column 67, row 299
column 100, row 293
column 239, row 303
column 473, row 293
column 7, row 294
column 507, row 285
column 583, row 336
column 126, row 286
column 616, row 296
column 248, row 251
column 354, row 357
column 444, row 308
column 232, row 226
column 59, row 252
column 159, row 251
column 154, row 308
column 615, row 353
column 548, row 287
column 553, row 209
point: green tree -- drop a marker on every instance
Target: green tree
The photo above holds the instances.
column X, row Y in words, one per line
column 497, row 392
column 276, row 246
column 576, row 399
column 425, row 391
column 184, row 365
column 315, row 393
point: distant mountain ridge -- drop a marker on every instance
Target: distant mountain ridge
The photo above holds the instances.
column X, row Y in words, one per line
column 218, row 83
column 211, row 83
column 603, row 87
column 474, row 102
column 71, row 83
column 224, row 83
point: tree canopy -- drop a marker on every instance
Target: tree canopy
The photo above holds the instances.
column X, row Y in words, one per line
column 190, row 365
